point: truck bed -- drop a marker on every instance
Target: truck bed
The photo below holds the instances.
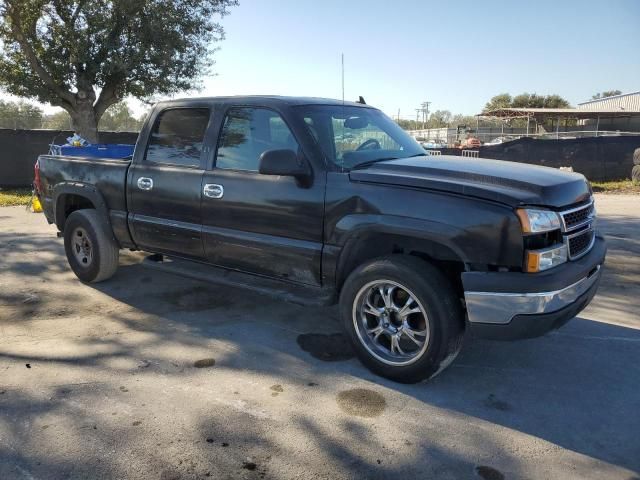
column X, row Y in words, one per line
column 107, row 175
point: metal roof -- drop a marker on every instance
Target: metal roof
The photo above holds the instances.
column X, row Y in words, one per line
column 625, row 101
column 540, row 113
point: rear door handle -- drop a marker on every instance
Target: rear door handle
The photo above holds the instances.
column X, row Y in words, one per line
column 213, row 190
column 145, row 183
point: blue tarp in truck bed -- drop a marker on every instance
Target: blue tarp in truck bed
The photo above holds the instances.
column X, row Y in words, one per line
column 97, row 150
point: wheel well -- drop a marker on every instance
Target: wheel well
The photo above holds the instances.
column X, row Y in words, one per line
column 372, row 246
column 69, row 203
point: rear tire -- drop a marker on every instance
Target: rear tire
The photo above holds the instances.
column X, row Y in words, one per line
column 636, row 156
column 92, row 252
column 374, row 303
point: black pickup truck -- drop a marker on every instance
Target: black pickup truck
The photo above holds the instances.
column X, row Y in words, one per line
column 335, row 199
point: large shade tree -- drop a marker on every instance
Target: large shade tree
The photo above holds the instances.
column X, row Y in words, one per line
column 86, row 55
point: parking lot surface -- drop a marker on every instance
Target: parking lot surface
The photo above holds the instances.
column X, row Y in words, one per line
column 149, row 375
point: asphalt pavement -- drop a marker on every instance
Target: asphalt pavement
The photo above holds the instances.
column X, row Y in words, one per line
column 150, row 375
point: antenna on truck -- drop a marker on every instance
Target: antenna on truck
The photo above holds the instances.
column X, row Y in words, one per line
column 342, row 58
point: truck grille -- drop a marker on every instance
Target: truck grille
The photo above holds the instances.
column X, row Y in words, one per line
column 577, row 229
column 577, row 217
column 580, row 243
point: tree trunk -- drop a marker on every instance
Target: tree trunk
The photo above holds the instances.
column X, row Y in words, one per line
column 85, row 122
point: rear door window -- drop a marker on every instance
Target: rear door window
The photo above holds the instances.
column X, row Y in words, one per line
column 177, row 137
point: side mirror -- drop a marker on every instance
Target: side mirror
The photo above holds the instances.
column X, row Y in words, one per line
column 284, row 162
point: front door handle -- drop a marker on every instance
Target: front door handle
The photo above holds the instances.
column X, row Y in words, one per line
column 213, row 190
column 145, row 183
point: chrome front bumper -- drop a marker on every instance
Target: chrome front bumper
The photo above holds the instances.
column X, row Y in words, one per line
column 501, row 307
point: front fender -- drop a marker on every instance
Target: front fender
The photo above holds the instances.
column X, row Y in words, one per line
column 362, row 236
column 351, row 228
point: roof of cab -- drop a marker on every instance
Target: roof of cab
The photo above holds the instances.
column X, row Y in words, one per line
column 266, row 100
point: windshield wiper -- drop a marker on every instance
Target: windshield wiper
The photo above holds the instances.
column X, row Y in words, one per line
column 368, row 163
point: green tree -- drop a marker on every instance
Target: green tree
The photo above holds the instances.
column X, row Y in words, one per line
column 502, row 100
column 86, row 55
column 468, row 120
column 525, row 100
column 57, row 121
column 439, row 119
column 555, row 101
column 118, row 118
column 532, row 100
column 605, row 94
column 20, row 115
column 407, row 124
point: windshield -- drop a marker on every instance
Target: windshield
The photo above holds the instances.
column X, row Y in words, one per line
column 352, row 136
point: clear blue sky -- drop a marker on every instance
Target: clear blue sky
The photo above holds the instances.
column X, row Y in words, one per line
column 456, row 54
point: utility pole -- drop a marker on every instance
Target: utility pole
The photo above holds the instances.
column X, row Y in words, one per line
column 425, row 113
column 418, row 110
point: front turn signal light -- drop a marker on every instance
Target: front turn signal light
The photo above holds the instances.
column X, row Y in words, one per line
column 546, row 258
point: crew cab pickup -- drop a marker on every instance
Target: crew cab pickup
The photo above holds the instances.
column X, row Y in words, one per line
column 335, row 199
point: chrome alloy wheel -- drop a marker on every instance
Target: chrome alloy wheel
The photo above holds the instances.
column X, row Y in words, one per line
column 82, row 247
column 390, row 322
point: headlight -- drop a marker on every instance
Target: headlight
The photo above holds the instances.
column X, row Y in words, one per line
column 539, row 260
column 538, row 221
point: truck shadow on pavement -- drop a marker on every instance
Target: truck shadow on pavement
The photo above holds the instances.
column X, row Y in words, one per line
column 264, row 403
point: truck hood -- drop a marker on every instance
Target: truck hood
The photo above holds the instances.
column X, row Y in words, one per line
column 510, row 183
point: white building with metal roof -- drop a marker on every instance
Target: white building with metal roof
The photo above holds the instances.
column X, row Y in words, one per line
column 629, row 102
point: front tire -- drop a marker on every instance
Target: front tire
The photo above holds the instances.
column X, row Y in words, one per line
column 92, row 252
column 403, row 318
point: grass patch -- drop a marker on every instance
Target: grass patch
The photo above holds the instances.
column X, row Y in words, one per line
column 619, row 186
column 10, row 197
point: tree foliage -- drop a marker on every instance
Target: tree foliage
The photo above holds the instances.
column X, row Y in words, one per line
column 503, row 100
column 19, row 115
column 468, row 120
column 605, row 94
column 525, row 100
column 532, row 100
column 24, row 115
column 444, row 118
column 57, row 121
column 86, row 55
column 439, row 119
column 119, row 118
